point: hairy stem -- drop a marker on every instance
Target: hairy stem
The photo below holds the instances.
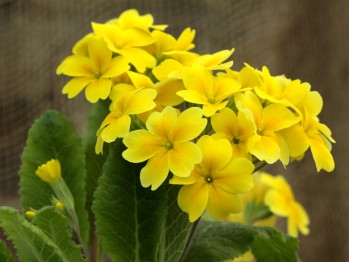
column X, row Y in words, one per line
column 189, row 240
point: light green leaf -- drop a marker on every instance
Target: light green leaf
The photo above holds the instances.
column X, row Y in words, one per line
column 5, row 253
column 55, row 225
column 176, row 231
column 218, row 241
column 53, row 137
column 94, row 162
column 32, row 244
column 129, row 218
column 271, row 245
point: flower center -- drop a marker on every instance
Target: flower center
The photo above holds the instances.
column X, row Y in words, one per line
column 208, row 179
column 98, row 75
column 236, row 140
column 169, row 145
column 211, row 100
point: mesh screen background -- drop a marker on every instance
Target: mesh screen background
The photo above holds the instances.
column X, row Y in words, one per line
column 302, row 39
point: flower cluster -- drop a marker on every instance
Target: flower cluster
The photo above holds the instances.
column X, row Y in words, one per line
column 191, row 115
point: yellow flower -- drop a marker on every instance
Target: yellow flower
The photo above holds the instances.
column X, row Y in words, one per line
column 128, row 43
column 239, row 129
column 205, row 89
column 49, row 172
column 269, row 120
column 93, row 72
column 59, row 205
column 30, row 214
column 215, row 183
column 166, row 145
column 280, row 199
column 130, row 101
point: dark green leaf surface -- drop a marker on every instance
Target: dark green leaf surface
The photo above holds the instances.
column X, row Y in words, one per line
column 32, row 244
column 54, row 225
column 129, row 218
column 5, row 253
column 219, row 241
column 53, row 137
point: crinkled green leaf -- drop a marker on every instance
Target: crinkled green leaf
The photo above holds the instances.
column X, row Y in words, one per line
column 5, row 253
column 53, row 137
column 55, row 225
column 129, row 218
column 176, row 231
column 31, row 243
column 271, row 245
column 218, row 241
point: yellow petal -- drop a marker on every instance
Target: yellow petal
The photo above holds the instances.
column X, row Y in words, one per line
column 176, row 180
column 141, row 101
column 104, row 87
column 75, row 86
column 166, row 92
column 80, row 66
column 156, row 171
column 192, row 96
column 183, row 157
column 168, row 66
column 323, row 158
column 277, row 203
column 116, row 67
column 118, row 128
column 313, row 103
column 216, row 154
column 91, row 92
column 277, row 117
column 222, row 203
column 162, row 124
column 266, row 149
column 99, row 52
column 139, row 58
column 193, row 199
column 296, row 139
column 236, row 177
column 141, row 145
column 210, row 109
column 140, row 80
column 189, row 125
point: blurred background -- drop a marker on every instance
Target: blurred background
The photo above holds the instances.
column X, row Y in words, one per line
column 302, row 39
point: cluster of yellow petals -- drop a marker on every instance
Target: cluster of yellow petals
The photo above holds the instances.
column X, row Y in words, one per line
column 191, row 115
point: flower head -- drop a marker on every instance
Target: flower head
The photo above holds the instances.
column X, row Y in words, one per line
column 215, row 182
column 49, row 172
column 166, row 145
column 280, row 199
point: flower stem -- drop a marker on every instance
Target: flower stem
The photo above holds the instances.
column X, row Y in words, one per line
column 260, row 166
column 189, row 240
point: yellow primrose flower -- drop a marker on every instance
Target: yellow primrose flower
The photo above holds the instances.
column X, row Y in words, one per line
column 166, row 145
column 30, row 214
column 93, row 72
column 280, row 199
column 128, row 43
column 269, row 120
column 205, row 89
column 49, row 172
column 117, row 122
column 132, row 19
column 215, row 183
column 239, row 129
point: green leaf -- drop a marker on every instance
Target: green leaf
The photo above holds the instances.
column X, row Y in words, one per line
column 255, row 211
column 177, row 229
column 32, row 244
column 94, row 162
column 53, row 137
column 129, row 218
column 218, row 241
column 272, row 245
column 5, row 253
column 54, row 224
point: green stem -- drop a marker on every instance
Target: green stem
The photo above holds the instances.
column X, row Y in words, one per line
column 258, row 167
column 189, row 240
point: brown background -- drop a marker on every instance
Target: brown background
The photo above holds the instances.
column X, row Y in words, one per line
column 301, row 39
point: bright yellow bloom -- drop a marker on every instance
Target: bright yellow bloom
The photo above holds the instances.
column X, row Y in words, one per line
column 280, row 199
column 49, row 172
column 132, row 19
column 93, row 72
column 269, row 120
column 30, row 214
column 215, row 183
column 128, row 43
column 166, row 145
column 59, row 205
column 205, row 89
column 239, row 129
column 130, row 101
